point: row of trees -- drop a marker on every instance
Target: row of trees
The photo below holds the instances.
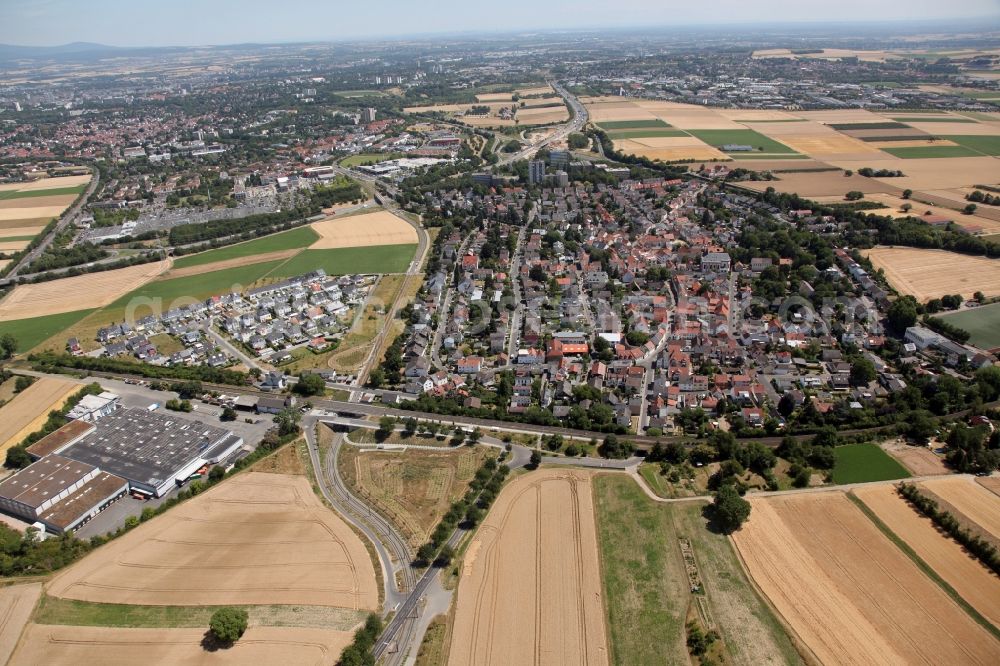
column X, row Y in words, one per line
column 975, row 544
column 53, row 362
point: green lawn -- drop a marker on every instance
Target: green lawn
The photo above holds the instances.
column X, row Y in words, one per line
column 368, row 158
column 987, row 145
column 858, row 463
column 645, row 587
column 867, row 126
column 632, row 124
column 14, row 238
column 179, row 291
column 14, row 194
column 747, row 137
column 920, row 152
column 750, row 631
column 645, row 133
column 982, row 323
column 350, row 260
column 32, row 332
column 289, row 240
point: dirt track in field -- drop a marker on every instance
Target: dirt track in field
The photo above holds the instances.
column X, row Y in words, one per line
column 229, row 263
column 969, row 577
column 848, row 592
column 255, row 539
column 530, row 588
column 57, row 644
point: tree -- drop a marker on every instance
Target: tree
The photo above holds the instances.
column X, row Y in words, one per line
column 215, row 474
column 970, row 209
column 17, row 458
column 906, row 208
column 902, row 313
column 228, row 624
column 578, row 141
column 535, row 460
column 409, row 426
column 979, row 296
column 907, row 193
column 309, row 383
column 8, row 345
column 862, row 372
column 385, row 427
column 288, row 421
column 228, row 414
column 854, row 195
column 729, row 510
column 376, row 378
column 475, row 436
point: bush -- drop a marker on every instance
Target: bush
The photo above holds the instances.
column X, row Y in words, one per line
column 228, row 624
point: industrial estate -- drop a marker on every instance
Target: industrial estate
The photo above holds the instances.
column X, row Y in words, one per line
column 620, row 347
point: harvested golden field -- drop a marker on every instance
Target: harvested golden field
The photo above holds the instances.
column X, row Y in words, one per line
column 21, row 212
column 848, row 592
column 11, row 232
column 535, row 90
column 929, row 173
column 29, row 409
column 836, row 116
column 828, row 144
column 45, row 184
column 819, row 184
column 747, row 115
column 974, row 501
column 3, row 263
column 530, row 587
column 378, row 228
column 542, row 115
column 255, row 539
column 7, row 227
column 894, row 205
column 991, row 483
column 616, row 111
column 967, row 575
column 13, row 246
column 79, row 292
column 57, row 644
column 16, row 605
column 495, row 97
column 63, row 200
column 670, row 148
column 927, row 274
column 413, row 488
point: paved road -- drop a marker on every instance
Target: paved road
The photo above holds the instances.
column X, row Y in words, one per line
column 580, row 118
column 67, row 217
column 231, row 349
column 514, row 334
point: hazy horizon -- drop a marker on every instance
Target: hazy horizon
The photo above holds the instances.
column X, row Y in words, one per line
column 190, row 23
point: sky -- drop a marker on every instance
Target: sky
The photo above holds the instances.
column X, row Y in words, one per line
column 201, row 22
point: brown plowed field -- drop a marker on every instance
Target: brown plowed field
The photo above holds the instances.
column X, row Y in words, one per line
column 970, row 578
column 918, row 460
column 30, row 408
column 79, row 292
column 530, row 589
column 57, row 644
column 977, row 503
column 16, row 604
column 256, row 539
column 848, row 592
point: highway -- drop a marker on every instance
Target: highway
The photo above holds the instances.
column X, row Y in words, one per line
column 576, row 124
column 68, row 217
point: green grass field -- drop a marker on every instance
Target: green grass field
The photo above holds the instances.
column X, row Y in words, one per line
column 368, row 158
column 349, row 260
column 32, row 332
column 982, row 323
column 295, row 239
column 55, row 191
column 14, row 238
column 645, row 133
column 360, row 93
column 610, row 125
column 858, row 463
column 645, row 587
column 747, row 137
column 197, row 287
column 987, row 145
column 867, row 126
column 920, row 152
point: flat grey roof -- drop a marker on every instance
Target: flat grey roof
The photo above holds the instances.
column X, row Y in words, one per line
column 145, row 447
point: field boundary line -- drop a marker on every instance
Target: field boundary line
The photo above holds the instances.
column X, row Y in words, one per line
column 808, row 656
column 925, row 568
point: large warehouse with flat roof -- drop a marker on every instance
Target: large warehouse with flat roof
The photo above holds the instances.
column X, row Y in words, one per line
column 60, row 493
column 152, row 451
